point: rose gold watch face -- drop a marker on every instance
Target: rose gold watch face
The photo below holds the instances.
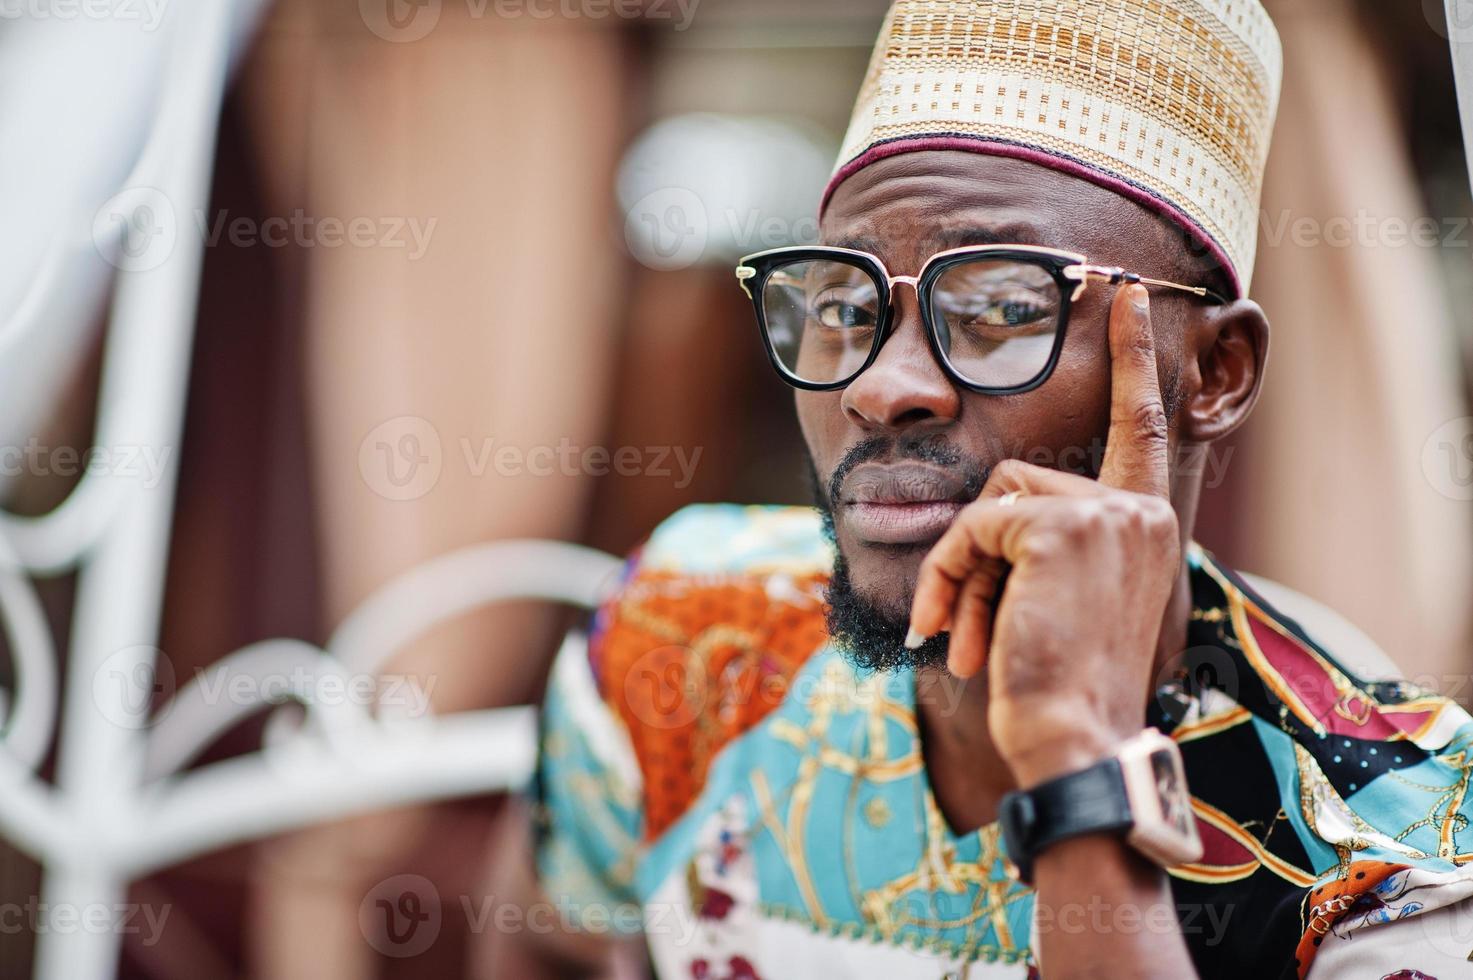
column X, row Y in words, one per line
column 1176, row 807
column 1160, row 801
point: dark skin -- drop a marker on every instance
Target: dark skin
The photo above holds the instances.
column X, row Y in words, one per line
column 1097, row 587
column 1055, row 668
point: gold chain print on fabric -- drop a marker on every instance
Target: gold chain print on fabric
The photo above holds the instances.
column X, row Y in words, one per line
column 907, row 900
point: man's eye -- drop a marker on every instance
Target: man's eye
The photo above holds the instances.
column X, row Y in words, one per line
column 1001, row 317
column 1011, row 313
column 839, row 315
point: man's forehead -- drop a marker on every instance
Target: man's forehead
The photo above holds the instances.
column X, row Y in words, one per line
column 934, row 200
column 952, row 232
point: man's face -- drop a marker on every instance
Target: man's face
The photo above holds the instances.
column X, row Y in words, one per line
column 898, row 452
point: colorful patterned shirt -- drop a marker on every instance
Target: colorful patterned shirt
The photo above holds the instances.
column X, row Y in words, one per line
column 716, row 775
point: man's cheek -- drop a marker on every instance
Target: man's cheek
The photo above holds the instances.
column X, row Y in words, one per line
column 820, row 416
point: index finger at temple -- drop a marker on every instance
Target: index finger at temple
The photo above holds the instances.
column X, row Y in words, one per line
column 1136, row 448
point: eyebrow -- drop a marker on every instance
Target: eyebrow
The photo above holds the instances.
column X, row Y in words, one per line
column 958, row 237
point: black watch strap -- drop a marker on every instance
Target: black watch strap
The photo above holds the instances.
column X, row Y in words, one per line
column 1091, row 801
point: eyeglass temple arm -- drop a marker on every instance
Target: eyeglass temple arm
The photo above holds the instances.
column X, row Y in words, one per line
column 1085, row 274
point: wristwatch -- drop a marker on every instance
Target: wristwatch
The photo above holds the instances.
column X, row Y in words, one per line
column 1139, row 793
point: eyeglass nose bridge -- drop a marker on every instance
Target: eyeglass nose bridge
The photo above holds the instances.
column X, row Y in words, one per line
column 914, row 282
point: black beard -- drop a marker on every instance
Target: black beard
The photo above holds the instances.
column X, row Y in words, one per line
column 868, row 636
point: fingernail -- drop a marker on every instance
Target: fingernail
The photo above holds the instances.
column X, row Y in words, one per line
column 1140, row 298
column 914, row 639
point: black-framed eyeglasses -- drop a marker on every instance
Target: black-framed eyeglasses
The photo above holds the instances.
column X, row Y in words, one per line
column 995, row 315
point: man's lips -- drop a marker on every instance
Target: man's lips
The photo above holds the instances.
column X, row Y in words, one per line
column 901, row 503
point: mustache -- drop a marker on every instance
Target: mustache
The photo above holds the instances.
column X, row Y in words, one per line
column 921, row 449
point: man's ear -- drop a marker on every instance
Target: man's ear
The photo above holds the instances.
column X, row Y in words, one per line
column 1231, row 345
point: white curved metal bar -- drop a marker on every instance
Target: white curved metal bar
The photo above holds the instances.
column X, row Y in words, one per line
column 213, row 702
column 54, row 542
column 34, row 306
column 31, row 715
column 459, row 582
column 1460, row 37
column 33, row 819
column 307, row 781
column 462, row 580
column 101, row 824
column 36, row 302
column 119, row 589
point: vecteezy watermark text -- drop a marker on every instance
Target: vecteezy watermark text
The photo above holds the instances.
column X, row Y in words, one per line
column 135, row 687
column 148, row 14
column 403, row 21
column 36, row 917
column 1364, row 230
column 305, row 231
column 403, row 459
column 402, row 916
column 137, row 229
column 146, row 464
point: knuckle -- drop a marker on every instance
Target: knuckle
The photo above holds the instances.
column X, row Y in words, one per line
column 1086, row 518
column 1045, row 544
column 1150, row 521
column 1149, row 420
column 1142, row 515
column 1157, row 516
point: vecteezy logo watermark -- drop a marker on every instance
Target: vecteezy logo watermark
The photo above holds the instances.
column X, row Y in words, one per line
column 1185, row 680
column 305, row 231
column 406, row 696
column 135, row 688
column 403, row 459
column 137, row 229
column 1364, row 230
column 36, row 917
column 667, row 230
column 148, row 14
column 1449, row 930
column 1099, row 917
column 403, row 21
column 673, row 229
column 129, row 682
column 1447, row 459
column 400, row 916
column 675, row 463
column 666, row 687
column 1444, row 16
column 400, row 20
column 674, row 919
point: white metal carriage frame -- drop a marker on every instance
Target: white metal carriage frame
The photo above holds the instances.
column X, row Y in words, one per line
column 121, row 806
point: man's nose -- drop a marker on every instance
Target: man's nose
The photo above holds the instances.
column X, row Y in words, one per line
column 905, row 386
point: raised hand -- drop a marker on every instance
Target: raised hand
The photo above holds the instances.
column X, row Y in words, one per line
column 1089, row 565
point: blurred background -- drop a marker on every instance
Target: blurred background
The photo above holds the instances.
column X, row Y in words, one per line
column 466, row 276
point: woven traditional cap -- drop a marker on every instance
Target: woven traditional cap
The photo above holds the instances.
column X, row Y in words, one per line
column 1168, row 102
